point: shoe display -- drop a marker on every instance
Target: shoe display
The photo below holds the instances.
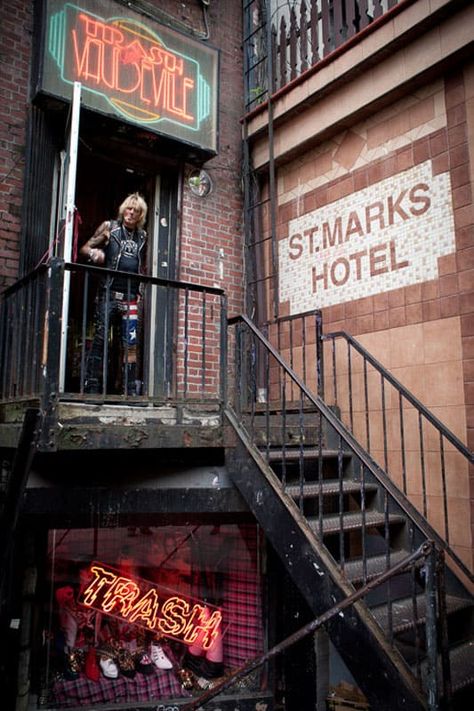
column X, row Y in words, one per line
column 159, row 658
column 211, row 670
column 193, row 663
column 143, row 663
column 91, row 666
column 186, row 678
column 109, row 667
column 73, row 664
column 126, row 663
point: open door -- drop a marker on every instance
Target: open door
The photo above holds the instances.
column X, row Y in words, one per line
column 162, row 301
column 103, row 182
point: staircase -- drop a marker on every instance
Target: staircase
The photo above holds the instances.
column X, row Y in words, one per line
column 337, row 521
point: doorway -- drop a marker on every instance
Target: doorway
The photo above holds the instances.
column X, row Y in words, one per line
column 102, row 184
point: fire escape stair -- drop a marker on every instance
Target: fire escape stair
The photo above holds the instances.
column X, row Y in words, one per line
column 286, row 486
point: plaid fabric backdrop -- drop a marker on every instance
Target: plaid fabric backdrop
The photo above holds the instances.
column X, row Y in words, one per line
column 229, row 557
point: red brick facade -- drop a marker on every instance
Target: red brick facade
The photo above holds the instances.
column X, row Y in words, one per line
column 210, row 234
column 16, row 28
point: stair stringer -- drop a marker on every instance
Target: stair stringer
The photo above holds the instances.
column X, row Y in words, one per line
column 378, row 668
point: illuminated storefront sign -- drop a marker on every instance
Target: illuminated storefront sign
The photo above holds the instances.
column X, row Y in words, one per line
column 131, row 67
column 384, row 237
column 153, row 607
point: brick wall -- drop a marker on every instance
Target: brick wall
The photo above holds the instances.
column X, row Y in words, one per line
column 210, row 240
column 342, row 204
column 15, row 48
column 211, row 228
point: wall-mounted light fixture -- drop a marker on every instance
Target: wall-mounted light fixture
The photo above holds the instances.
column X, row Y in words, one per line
column 200, row 182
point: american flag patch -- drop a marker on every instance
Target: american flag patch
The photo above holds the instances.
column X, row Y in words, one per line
column 129, row 322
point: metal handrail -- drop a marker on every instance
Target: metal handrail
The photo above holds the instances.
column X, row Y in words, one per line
column 440, row 426
column 34, row 305
column 423, row 551
column 354, row 446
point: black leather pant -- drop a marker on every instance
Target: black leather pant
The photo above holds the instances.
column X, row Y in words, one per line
column 109, row 312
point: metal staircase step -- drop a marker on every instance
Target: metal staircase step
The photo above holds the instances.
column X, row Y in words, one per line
column 462, row 666
column 402, row 611
column 354, row 569
column 328, row 487
column 354, row 521
column 294, row 454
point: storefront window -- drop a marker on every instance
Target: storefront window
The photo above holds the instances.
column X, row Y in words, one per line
column 145, row 614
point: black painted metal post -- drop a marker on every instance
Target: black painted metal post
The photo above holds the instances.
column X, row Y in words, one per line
column 51, row 351
column 443, row 631
column 432, row 676
column 224, row 365
column 320, row 354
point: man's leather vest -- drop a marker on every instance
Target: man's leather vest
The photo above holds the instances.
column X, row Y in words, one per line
column 114, row 248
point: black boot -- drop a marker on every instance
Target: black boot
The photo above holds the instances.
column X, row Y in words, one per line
column 129, row 378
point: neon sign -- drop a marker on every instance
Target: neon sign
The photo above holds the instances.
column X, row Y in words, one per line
column 153, row 607
column 131, row 67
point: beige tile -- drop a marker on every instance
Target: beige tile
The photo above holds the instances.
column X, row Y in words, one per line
column 459, row 515
column 412, row 378
column 395, row 468
column 454, row 418
column 457, row 476
column 457, row 30
column 465, row 553
column 436, row 516
column 413, row 14
column 379, row 345
column 414, row 474
column 411, row 432
column 442, row 340
column 443, row 384
column 349, row 149
column 423, row 53
column 406, row 346
column 422, row 112
column 417, row 501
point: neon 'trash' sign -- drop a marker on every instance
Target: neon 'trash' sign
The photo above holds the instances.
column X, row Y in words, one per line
column 152, row 607
column 133, row 68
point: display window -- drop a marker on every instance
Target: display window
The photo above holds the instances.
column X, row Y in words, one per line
column 147, row 614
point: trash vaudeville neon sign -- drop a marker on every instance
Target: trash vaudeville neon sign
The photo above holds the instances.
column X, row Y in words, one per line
column 153, row 607
column 132, row 67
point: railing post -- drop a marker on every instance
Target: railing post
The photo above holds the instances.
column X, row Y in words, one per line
column 224, row 353
column 432, row 674
column 50, row 359
column 443, row 631
column 320, row 354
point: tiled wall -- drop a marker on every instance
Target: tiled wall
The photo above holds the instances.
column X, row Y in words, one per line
column 416, row 319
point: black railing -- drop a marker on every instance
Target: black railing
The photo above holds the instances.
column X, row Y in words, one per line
column 419, row 453
column 179, row 352
column 424, row 556
column 283, row 40
column 347, row 500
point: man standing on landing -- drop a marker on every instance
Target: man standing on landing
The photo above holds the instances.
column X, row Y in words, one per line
column 117, row 245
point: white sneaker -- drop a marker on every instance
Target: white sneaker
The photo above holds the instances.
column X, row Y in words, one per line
column 109, row 668
column 159, row 658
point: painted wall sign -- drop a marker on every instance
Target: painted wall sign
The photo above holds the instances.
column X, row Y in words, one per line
column 384, row 237
column 131, row 67
column 153, row 607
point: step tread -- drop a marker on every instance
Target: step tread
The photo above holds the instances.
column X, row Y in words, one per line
column 328, row 487
column 354, row 569
column 294, row 454
column 401, row 611
column 462, row 666
column 461, row 660
column 353, row 521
